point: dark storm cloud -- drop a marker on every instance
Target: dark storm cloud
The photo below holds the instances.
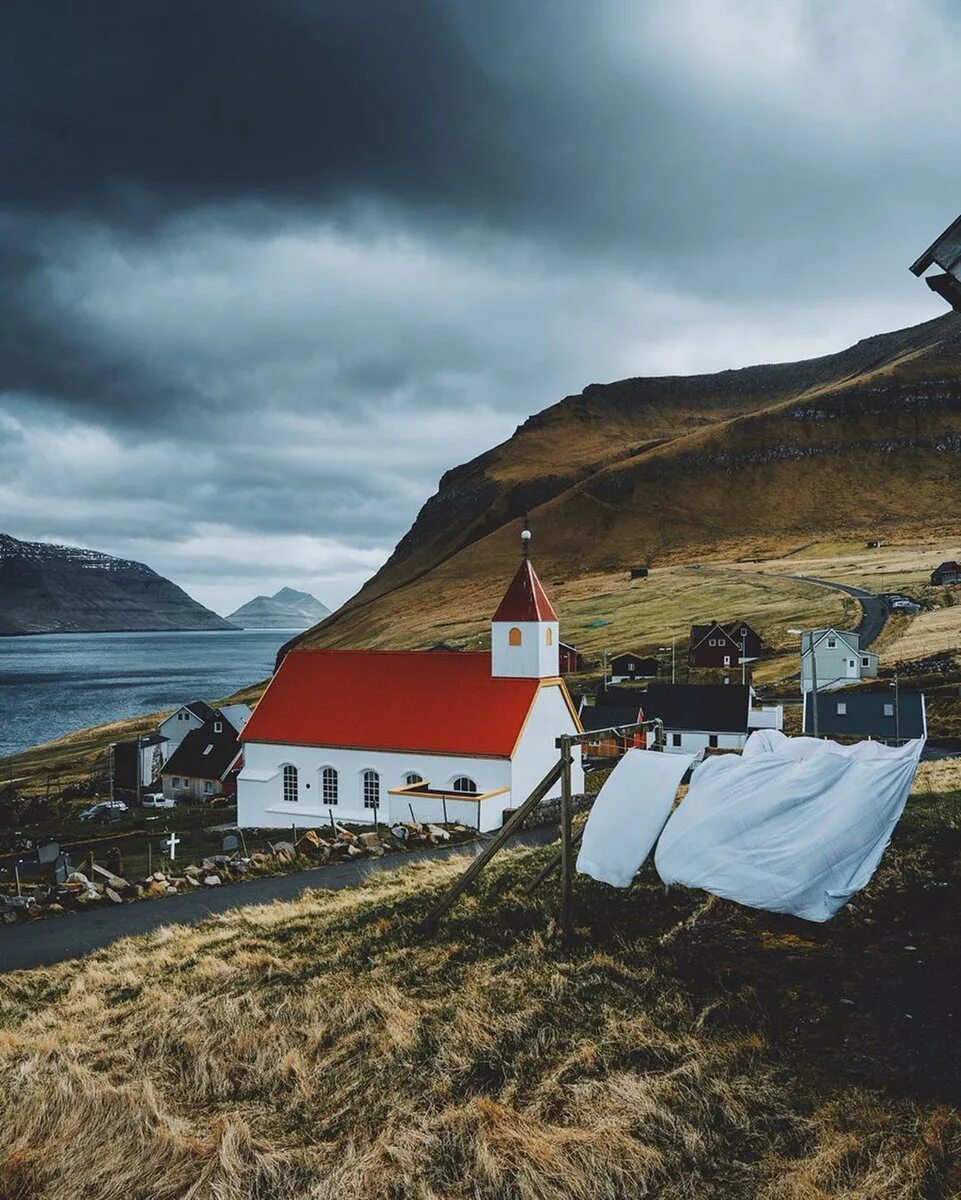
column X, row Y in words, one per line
column 269, row 268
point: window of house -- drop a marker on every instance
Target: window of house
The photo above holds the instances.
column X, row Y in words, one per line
column 842, row 709
column 549, row 636
column 727, row 660
column 712, row 642
column 675, row 739
column 291, row 794
column 514, row 637
column 712, row 740
column 865, row 662
column 464, row 783
column 412, row 778
column 208, row 787
column 329, row 785
column 831, row 643
column 371, row 789
column 218, row 726
column 889, row 710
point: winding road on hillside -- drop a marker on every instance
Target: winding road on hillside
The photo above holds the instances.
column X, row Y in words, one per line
column 874, row 608
column 43, row 942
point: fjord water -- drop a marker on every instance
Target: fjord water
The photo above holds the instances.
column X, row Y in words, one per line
column 51, row 684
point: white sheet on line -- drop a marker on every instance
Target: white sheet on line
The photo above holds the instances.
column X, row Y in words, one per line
column 794, row 825
column 629, row 814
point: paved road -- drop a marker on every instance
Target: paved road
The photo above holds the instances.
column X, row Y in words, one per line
column 874, row 608
column 44, row 942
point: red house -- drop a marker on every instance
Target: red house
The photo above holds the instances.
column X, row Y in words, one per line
column 571, row 659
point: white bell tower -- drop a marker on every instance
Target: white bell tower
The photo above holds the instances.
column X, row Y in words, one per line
column 525, row 631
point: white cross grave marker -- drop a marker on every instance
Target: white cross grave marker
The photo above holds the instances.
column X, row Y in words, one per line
column 172, row 843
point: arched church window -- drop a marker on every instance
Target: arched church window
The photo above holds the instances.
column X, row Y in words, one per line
column 330, row 785
column 514, row 637
column 464, row 783
column 550, row 636
column 371, row 789
column 291, row 795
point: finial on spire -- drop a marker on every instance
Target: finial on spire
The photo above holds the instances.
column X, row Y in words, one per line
column 526, row 538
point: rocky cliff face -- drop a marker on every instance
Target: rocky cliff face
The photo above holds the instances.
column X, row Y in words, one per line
column 63, row 589
column 286, row 609
column 669, row 469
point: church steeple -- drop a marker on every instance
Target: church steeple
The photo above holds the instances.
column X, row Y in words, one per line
column 525, row 629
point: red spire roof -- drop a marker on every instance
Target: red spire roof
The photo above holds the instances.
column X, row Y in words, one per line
column 525, row 599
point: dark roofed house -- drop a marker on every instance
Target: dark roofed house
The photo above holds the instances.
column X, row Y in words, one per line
column 718, row 645
column 570, row 658
column 634, row 666
column 137, row 762
column 944, row 252
column 613, row 709
column 883, row 716
column 199, row 767
column 700, row 716
column 947, row 573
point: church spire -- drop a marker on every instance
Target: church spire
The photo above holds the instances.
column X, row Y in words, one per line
column 525, row 629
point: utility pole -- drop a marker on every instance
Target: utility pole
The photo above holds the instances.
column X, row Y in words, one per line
column 897, row 712
column 110, row 758
column 139, row 767
column 673, row 672
column 814, row 684
column 743, row 666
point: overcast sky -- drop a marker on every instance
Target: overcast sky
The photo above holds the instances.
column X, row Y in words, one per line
column 270, row 268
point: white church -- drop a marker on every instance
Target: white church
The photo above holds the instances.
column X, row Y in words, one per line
column 432, row 735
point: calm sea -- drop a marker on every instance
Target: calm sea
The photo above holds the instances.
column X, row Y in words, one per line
column 51, row 684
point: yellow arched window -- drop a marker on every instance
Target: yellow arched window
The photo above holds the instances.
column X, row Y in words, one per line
column 550, row 636
column 514, row 637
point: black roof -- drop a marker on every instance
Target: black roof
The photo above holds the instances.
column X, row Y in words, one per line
column 712, row 707
column 609, row 716
column 193, row 760
column 201, row 709
column 865, row 714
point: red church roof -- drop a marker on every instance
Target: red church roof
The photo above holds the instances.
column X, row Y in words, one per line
column 428, row 702
column 525, row 599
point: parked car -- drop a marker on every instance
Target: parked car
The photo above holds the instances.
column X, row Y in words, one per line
column 102, row 810
column 158, row 800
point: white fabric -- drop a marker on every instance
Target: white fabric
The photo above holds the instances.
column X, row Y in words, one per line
column 629, row 813
column 794, row 825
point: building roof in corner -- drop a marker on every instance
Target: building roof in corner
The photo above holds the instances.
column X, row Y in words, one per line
column 432, row 702
column 525, row 599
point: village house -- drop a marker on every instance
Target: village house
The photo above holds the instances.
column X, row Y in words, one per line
column 707, row 716
column 196, row 715
column 945, row 252
column 718, row 646
column 137, row 762
column 203, row 764
column 946, row 574
column 837, row 657
column 612, row 709
column 571, row 659
column 892, row 717
column 387, row 734
column 627, row 667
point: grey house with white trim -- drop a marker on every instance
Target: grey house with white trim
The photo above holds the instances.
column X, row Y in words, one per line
column 837, row 657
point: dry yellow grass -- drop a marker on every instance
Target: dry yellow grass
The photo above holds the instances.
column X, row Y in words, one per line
column 327, row 1049
column 928, row 633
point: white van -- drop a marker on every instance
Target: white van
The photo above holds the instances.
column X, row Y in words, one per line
column 157, row 800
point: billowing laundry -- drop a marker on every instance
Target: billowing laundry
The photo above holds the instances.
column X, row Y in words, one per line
column 794, row 825
column 629, row 813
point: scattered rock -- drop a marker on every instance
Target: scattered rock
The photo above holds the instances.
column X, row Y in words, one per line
column 212, row 880
column 112, row 896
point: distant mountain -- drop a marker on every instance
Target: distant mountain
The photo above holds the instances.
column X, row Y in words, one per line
column 63, row 589
column 286, row 609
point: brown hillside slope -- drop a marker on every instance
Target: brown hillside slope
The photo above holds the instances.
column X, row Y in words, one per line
column 742, row 462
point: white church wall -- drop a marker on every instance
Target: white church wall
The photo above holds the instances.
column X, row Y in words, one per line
column 486, row 814
column 549, row 718
column 260, row 785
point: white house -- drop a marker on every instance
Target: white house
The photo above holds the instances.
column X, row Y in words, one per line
column 354, row 733
column 838, row 658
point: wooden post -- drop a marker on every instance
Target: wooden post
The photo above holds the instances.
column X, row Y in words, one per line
column 443, row 801
column 506, row 831
column 16, row 873
column 565, row 831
